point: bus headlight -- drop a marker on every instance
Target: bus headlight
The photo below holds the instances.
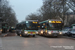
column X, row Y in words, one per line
column 60, row 33
column 49, row 32
column 36, row 32
column 26, row 32
column 41, row 32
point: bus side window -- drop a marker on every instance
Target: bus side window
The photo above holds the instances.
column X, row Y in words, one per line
column 24, row 26
column 47, row 25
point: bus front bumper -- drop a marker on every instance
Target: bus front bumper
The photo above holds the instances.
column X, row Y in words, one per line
column 54, row 34
column 28, row 34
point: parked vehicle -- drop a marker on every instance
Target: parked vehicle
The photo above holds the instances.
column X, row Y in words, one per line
column 71, row 33
column 65, row 31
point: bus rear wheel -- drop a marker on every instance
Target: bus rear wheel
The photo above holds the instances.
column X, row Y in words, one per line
column 18, row 34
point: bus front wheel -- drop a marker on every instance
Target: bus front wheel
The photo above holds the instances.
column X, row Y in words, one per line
column 33, row 35
column 18, row 34
column 22, row 35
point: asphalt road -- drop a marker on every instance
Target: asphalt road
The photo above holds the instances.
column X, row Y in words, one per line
column 37, row 43
column 1, row 44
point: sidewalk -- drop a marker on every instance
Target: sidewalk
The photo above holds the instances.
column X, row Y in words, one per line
column 11, row 34
column 8, row 34
column 3, row 34
column 1, row 44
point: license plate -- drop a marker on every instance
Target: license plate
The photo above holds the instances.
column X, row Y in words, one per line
column 31, row 32
column 28, row 32
column 55, row 34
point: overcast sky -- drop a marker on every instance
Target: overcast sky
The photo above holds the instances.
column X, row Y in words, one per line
column 24, row 7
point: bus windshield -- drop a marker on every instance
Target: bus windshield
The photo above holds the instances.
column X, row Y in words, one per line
column 54, row 26
column 32, row 26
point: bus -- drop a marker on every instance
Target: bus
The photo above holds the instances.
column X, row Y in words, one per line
column 1, row 20
column 29, row 27
column 51, row 27
column 19, row 28
column 4, row 27
column 72, row 26
column 0, row 30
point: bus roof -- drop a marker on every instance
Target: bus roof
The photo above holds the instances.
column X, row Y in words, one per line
column 25, row 21
column 31, row 20
column 54, row 20
column 43, row 22
column 50, row 20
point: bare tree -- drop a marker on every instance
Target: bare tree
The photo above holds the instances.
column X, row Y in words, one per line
column 55, row 9
column 7, row 13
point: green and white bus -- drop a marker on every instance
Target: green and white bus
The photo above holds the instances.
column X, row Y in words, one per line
column 72, row 26
column 51, row 27
column 5, row 27
column 0, row 30
column 29, row 27
column 19, row 28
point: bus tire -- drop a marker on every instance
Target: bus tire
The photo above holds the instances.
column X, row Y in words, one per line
column 65, row 34
column 56, row 36
column 73, row 36
column 33, row 35
column 44, row 34
column 18, row 34
column 22, row 35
